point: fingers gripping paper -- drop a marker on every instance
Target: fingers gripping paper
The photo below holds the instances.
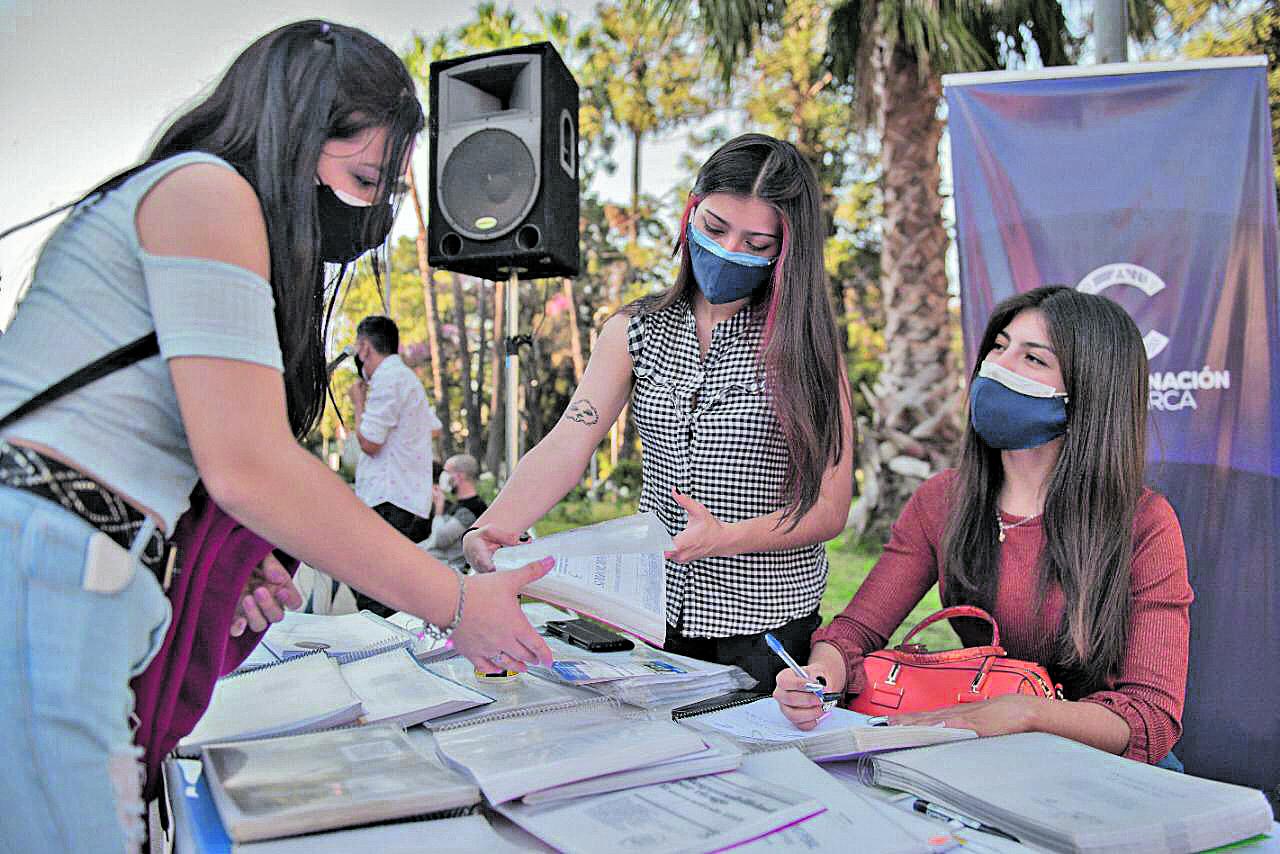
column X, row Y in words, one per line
column 613, row 571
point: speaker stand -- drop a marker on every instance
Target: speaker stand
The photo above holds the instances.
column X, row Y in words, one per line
column 513, row 370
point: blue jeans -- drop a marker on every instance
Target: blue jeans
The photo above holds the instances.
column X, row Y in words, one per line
column 70, row 777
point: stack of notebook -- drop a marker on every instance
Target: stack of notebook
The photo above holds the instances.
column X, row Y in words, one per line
column 526, row 752
column 314, row 692
column 644, row 677
column 1057, row 794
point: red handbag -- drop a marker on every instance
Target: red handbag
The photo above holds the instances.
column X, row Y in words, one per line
column 909, row 678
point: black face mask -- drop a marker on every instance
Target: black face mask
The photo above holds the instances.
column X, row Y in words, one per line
column 359, row 366
column 345, row 230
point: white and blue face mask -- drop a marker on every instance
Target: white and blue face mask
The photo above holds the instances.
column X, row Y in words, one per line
column 725, row 276
column 1011, row 412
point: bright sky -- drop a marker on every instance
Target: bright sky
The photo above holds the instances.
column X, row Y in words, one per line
column 84, row 84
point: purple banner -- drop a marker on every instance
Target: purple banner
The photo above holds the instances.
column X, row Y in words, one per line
column 1156, row 189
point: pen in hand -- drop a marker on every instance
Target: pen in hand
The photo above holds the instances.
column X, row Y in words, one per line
column 809, row 684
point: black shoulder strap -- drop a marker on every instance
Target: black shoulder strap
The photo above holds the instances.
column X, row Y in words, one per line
column 135, row 351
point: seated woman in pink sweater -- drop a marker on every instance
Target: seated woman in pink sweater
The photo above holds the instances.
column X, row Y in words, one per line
column 1045, row 524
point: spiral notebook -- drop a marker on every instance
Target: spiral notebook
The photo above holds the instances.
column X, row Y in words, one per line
column 300, row 695
column 313, row 692
column 343, row 637
column 1056, row 794
column 522, row 694
column 325, row 780
column 525, row 752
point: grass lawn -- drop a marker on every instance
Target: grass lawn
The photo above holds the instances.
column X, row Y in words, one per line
column 849, row 566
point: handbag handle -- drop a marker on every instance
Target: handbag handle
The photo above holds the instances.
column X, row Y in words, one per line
column 955, row 611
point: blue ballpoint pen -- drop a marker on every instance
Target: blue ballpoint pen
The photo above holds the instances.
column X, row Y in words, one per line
column 809, row 684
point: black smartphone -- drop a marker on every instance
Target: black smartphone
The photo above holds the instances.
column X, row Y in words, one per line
column 590, row 636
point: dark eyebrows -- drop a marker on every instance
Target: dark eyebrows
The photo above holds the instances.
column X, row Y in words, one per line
column 723, row 223
column 1033, row 345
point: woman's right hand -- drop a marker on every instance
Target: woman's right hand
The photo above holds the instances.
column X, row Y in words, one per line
column 801, row 706
column 495, row 634
column 479, row 545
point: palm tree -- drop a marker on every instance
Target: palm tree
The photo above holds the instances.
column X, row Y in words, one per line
column 894, row 53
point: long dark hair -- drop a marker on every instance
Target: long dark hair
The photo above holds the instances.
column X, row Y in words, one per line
column 799, row 354
column 1092, row 492
column 269, row 117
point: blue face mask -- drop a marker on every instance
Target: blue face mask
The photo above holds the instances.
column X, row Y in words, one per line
column 1011, row 412
column 725, row 276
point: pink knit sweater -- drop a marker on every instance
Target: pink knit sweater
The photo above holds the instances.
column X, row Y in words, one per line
column 1149, row 688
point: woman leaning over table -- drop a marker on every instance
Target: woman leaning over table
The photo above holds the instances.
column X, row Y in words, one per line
column 1045, row 524
column 216, row 243
column 738, row 392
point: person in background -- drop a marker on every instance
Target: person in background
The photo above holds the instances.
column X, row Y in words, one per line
column 739, row 394
column 457, row 506
column 1046, row 525
column 394, row 425
column 216, row 243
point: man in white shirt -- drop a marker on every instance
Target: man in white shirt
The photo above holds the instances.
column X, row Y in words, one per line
column 394, row 426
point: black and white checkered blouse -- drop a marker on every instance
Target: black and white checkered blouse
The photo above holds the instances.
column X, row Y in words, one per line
column 708, row 428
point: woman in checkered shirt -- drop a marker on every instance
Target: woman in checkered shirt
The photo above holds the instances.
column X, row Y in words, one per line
column 736, row 383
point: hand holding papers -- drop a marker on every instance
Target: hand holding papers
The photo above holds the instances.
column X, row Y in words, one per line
column 613, row 571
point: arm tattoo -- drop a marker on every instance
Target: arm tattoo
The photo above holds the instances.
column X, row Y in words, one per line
column 583, row 412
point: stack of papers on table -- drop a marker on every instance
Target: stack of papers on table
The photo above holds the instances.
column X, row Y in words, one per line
column 702, row 814
column 314, row 692
column 511, row 757
column 644, row 676
column 1050, row 792
column 843, row 733
column 324, row 780
column 612, row 571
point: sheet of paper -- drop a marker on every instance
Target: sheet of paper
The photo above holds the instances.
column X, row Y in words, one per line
column 694, row 815
column 763, row 721
column 635, row 534
column 852, row 820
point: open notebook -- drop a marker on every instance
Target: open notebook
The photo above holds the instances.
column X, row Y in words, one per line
column 1058, row 794
column 323, row 780
column 314, row 692
column 522, row 753
column 760, row 725
column 612, row 571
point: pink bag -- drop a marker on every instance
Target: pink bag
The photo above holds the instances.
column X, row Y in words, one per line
column 216, row 555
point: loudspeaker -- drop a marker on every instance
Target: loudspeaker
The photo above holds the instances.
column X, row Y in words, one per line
column 504, row 164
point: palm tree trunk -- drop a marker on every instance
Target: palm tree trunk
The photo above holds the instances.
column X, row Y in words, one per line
column 433, row 325
column 469, row 403
column 495, row 452
column 575, row 334
column 915, row 427
column 428, row 291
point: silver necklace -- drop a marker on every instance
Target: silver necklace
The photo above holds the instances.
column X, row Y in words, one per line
column 1003, row 527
